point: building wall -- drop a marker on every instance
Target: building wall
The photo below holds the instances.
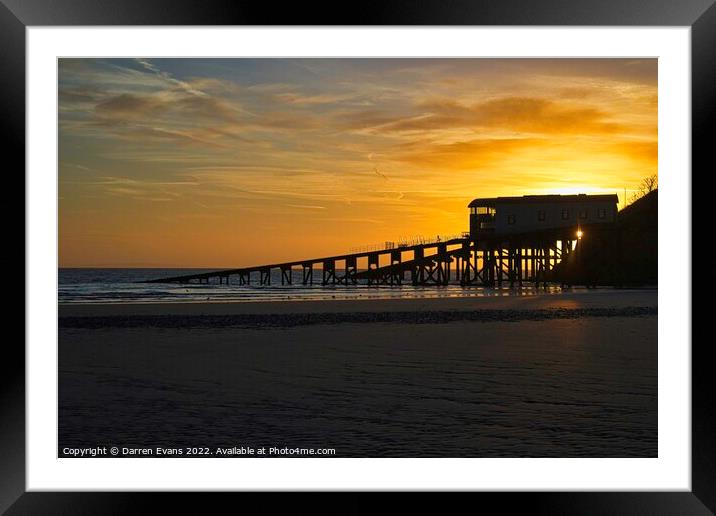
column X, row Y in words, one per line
column 526, row 215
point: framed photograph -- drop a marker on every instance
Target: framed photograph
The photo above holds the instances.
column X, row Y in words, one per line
column 414, row 250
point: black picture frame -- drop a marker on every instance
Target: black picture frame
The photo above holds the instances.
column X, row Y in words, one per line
column 17, row 15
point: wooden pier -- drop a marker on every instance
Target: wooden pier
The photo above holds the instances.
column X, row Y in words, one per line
column 347, row 269
column 490, row 261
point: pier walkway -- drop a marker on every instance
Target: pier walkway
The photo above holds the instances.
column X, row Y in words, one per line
column 491, row 261
column 426, row 263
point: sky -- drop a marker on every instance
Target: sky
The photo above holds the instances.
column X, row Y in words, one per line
column 240, row 162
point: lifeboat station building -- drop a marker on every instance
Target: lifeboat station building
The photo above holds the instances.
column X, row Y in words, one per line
column 535, row 213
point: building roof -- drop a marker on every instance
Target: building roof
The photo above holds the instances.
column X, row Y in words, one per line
column 491, row 202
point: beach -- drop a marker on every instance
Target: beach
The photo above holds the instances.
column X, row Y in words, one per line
column 572, row 374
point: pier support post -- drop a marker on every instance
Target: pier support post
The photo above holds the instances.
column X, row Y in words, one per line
column 265, row 277
column 329, row 272
column 509, row 260
column 286, row 275
column 307, row 273
column 351, row 271
column 491, row 266
column 373, row 263
column 442, row 264
column 396, row 274
column 518, row 264
column 419, row 272
column 498, row 263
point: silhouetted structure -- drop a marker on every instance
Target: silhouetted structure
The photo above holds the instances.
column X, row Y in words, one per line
column 350, row 269
column 510, row 215
column 566, row 239
column 625, row 254
column 518, row 239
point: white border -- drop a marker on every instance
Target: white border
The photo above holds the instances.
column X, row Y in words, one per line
column 670, row 471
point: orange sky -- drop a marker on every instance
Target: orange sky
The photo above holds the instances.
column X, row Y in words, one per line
column 237, row 162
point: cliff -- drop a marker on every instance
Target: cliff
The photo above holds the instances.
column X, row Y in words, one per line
column 625, row 254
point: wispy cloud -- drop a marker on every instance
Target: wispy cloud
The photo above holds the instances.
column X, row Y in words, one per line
column 510, row 114
column 186, row 87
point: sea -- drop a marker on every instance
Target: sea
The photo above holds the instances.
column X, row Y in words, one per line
column 96, row 285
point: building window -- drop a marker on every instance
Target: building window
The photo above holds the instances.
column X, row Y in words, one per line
column 541, row 215
column 582, row 214
column 510, row 219
column 602, row 213
column 482, row 210
column 565, row 214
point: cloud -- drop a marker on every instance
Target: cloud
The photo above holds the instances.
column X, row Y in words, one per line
column 543, row 116
column 206, row 108
column 380, row 174
column 129, row 106
column 306, row 206
column 79, row 95
column 184, row 108
column 143, row 190
column 510, row 113
column 185, row 86
column 286, row 120
column 471, row 154
column 302, row 99
column 364, row 119
column 644, row 151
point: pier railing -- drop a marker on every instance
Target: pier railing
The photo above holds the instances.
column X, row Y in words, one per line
column 404, row 242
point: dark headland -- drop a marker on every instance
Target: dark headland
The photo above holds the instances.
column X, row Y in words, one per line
column 624, row 255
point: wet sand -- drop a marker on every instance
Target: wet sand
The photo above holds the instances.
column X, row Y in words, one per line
column 607, row 298
column 514, row 381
